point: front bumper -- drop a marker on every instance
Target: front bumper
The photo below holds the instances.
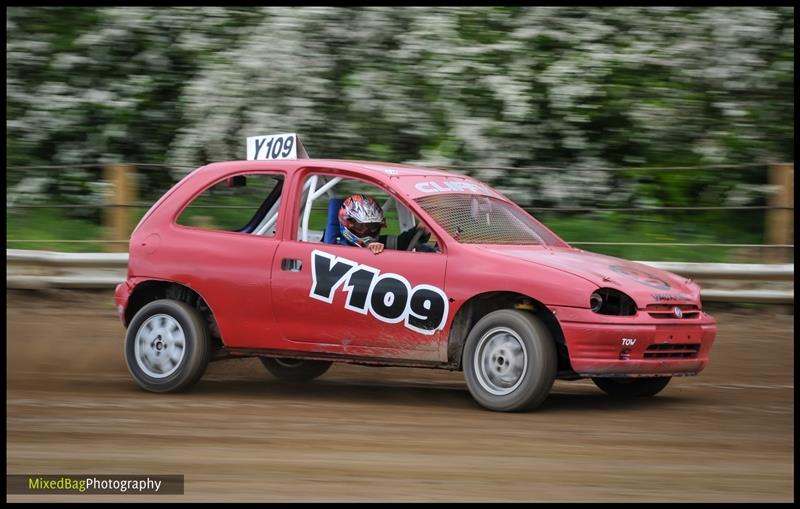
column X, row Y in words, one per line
column 639, row 345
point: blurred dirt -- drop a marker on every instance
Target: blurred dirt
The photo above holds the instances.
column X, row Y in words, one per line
column 392, row 434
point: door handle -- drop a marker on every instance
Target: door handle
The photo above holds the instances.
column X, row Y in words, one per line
column 291, row 264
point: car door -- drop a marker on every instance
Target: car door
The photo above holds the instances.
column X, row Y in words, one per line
column 346, row 300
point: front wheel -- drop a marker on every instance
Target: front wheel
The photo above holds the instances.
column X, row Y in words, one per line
column 632, row 387
column 509, row 361
column 295, row 370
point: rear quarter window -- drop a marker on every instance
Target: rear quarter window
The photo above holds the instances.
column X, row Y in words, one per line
column 231, row 204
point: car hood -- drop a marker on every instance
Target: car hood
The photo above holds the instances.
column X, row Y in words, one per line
column 645, row 284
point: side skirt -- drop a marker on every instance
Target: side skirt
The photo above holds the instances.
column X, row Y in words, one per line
column 228, row 353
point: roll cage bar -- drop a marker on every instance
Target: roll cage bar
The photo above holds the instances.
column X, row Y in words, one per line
column 313, row 188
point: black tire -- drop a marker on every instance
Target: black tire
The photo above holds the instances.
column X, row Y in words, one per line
column 295, row 370
column 523, row 378
column 632, row 387
column 170, row 320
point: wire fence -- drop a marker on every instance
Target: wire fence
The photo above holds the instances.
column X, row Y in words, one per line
column 530, row 209
column 608, row 168
column 445, row 167
column 165, row 179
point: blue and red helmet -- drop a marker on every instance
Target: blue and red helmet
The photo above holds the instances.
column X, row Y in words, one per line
column 360, row 220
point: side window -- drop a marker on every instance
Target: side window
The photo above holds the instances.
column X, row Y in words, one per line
column 246, row 203
column 321, row 222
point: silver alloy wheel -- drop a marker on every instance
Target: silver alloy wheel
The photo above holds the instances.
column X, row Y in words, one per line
column 160, row 346
column 500, row 361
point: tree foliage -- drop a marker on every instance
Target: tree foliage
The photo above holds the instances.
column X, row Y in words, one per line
column 575, row 87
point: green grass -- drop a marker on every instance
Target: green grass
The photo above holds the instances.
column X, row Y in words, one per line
column 626, row 227
column 42, row 228
column 45, row 226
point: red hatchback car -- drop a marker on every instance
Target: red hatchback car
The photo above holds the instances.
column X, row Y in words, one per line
column 244, row 258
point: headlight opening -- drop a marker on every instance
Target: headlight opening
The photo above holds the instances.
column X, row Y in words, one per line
column 607, row 301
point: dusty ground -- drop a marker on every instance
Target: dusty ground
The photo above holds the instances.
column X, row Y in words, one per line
column 391, row 434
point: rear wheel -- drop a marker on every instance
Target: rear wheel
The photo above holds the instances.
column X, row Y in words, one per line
column 295, row 370
column 167, row 346
column 509, row 361
column 632, row 387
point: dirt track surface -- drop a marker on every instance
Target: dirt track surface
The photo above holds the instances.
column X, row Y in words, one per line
column 392, row 434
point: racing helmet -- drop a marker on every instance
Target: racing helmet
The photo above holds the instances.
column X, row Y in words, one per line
column 360, row 220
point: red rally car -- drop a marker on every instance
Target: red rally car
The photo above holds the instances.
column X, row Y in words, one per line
column 244, row 258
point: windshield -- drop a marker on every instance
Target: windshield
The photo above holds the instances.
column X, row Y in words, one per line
column 478, row 219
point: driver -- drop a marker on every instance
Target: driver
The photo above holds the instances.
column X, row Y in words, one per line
column 360, row 223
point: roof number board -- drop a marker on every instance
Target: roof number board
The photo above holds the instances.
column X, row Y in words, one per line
column 275, row 146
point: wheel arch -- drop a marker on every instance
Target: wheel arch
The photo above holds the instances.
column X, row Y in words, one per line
column 478, row 306
column 154, row 289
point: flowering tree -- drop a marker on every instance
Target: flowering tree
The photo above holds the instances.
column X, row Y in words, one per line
column 483, row 86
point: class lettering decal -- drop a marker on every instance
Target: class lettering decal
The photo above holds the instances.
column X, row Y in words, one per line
column 641, row 277
column 388, row 297
column 449, row 186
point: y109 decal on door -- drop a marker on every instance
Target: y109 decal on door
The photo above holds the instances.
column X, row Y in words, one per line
column 389, row 297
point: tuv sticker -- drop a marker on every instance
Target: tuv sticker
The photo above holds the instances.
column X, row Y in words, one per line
column 388, row 297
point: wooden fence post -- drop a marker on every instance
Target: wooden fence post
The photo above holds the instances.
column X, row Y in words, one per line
column 780, row 221
column 117, row 216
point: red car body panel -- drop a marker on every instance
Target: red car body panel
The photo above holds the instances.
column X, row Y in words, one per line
column 260, row 306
